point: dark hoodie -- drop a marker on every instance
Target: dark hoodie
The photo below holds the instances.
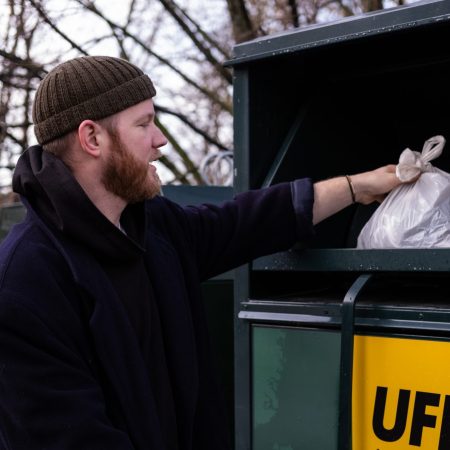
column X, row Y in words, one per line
column 103, row 337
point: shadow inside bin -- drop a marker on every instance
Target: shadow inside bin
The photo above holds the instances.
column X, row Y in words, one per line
column 361, row 215
column 342, row 229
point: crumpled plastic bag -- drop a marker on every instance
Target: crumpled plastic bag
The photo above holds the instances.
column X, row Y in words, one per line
column 415, row 215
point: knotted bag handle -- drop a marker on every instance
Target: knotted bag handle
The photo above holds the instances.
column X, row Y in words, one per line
column 411, row 164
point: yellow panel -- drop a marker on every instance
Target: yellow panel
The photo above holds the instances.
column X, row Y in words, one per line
column 401, row 394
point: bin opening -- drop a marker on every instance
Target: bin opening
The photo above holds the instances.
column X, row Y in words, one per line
column 365, row 123
column 347, row 108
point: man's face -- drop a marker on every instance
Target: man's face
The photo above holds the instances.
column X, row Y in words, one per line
column 135, row 141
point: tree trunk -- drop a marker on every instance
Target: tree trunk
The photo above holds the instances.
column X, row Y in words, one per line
column 294, row 13
column 371, row 5
column 240, row 21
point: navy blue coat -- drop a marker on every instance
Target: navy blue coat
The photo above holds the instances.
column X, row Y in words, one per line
column 71, row 372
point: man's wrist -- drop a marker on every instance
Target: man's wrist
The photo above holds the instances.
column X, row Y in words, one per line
column 363, row 187
column 351, row 188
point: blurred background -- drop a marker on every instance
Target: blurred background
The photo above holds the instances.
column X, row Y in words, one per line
column 181, row 44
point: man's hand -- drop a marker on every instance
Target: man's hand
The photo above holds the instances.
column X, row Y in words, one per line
column 372, row 186
column 330, row 196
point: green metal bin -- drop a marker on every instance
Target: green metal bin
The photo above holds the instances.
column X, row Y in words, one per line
column 338, row 348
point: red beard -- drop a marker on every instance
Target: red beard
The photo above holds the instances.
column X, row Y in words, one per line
column 126, row 177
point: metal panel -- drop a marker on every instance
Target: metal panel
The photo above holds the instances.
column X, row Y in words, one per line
column 350, row 29
column 195, row 195
column 241, row 329
column 9, row 216
column 295, row 388
column 351, row 260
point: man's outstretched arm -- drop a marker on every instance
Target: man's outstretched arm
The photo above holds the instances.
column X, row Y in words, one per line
column 330, row 196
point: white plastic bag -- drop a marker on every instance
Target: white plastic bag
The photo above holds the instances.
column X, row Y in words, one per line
column 415, row 215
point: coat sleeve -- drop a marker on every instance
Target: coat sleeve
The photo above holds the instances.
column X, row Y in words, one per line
column 255, row 223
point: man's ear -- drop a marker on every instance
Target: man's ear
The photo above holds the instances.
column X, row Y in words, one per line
column 90, row 135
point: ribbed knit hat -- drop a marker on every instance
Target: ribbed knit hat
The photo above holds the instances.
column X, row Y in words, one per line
column 90, row 87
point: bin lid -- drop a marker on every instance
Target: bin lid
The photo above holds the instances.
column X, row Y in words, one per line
column 360, row 27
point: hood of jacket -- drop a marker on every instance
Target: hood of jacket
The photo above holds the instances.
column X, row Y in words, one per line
column 50, row 188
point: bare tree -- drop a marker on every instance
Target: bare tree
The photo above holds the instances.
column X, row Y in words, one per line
column 18, row 77
column 181, row 45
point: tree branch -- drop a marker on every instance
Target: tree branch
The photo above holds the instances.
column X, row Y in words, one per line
column 91, row 7
column 46, row 19
column 294, row 13
column 184, row 156
column 34, row 68
column 173, row 168
column 243, row 29
column 13, row 138
column 371, row 5
column 173, row 9
column 193, row 127
column 205, row 35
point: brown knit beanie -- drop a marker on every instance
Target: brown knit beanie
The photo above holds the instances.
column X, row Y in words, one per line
column 90, row 87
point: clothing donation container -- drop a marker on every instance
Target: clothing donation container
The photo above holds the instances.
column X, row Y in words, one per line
column 339, row 348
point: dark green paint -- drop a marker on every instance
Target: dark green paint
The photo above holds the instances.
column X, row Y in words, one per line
column 295, row 389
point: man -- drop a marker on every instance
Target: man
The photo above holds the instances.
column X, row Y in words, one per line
column 103, row 341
